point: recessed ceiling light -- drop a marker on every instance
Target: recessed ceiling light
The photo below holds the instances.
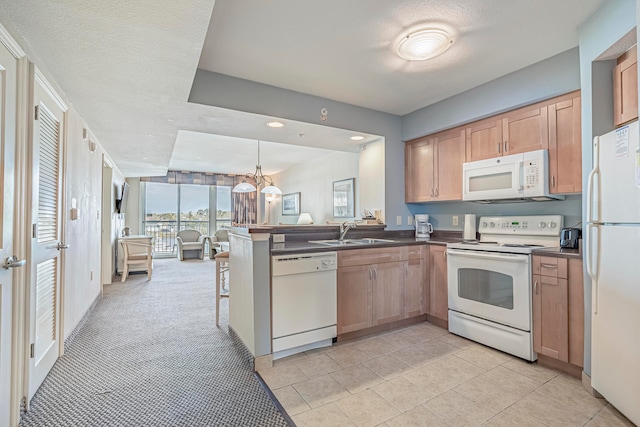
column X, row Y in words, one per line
column 425, row 44
column 275, row 124
column 357, row 138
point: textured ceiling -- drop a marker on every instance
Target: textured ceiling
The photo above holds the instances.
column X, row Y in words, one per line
column 345, row 51
column 128, row 67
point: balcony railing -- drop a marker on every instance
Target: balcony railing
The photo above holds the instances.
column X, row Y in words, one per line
column 164, row 232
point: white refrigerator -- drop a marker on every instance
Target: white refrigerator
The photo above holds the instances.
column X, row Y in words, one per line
column 613, row 263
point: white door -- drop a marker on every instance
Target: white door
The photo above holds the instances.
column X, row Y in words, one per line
column 7, row 174
column 48, row 131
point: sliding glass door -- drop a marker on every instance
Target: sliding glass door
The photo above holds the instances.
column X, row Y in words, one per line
column 169, row 208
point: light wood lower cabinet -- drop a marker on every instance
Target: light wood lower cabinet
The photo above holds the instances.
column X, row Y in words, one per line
column 438, row 290
column 354, row 298
column 558, row 313
column 380, row 285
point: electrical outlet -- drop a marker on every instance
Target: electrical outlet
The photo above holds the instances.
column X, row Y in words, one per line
column 454, row 220
column 278, row 238
column 399, row 220
column 409, row 220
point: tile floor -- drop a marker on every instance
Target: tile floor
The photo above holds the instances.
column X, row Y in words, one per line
column 422, row 375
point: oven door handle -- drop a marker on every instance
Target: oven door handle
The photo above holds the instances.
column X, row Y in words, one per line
column 487, row 255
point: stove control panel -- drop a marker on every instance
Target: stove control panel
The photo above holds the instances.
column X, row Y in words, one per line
column 539, row 225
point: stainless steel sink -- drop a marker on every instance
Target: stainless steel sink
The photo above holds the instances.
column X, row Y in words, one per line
column 336, row 242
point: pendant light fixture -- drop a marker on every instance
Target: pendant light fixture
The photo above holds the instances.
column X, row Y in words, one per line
column 260, row 179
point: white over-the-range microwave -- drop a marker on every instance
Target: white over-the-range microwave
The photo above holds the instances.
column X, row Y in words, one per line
column 517, row 177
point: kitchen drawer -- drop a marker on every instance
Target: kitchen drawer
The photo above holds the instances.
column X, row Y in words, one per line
column 348, row 258
column 413, row 252
column 550, row 266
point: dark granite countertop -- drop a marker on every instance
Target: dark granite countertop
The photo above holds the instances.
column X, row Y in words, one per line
column 558, row 252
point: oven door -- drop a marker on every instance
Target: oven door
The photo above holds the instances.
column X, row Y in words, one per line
column 493, row 286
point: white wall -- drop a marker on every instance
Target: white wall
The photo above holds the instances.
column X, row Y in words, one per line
column 237, row 94
column 132, row 216
column 82, row 261
column 372, row 177
column 314, row 180
column 603, row 30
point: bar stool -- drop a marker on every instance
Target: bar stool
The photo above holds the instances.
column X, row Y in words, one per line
column 222, row 265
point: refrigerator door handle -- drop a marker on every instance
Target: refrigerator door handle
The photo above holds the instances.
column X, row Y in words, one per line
column 590, row 270
column 595, row 171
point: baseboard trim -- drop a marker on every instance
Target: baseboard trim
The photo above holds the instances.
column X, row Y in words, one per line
column 567, row 368
column 381, row 328
column 76, row 330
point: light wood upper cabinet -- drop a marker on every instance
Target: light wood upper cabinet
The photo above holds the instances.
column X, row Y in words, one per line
column 525, row 129
column 558, row 313
column 439, row 293
column 450, row 155
column 433, row 167
column 433, row 164
column 484, row 139
column 565, row 145
column 418, row 170
column 625, row 88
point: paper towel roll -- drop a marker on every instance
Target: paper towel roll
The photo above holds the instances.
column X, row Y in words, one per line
column 469, row 227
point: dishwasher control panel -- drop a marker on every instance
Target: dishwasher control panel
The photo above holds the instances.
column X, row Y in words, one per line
column 282, row 265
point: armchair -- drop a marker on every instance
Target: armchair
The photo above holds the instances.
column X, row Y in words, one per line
column 214, row 242
column 189, row 242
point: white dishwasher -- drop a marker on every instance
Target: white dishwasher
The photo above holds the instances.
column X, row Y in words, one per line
column 303, row 302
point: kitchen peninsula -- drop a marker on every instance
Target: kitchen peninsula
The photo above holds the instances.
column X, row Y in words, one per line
column 407, row 260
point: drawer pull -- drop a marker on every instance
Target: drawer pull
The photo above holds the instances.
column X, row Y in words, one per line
column 548, row 266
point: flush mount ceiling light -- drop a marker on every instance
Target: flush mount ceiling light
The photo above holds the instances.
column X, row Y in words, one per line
column 275, row 124
column 260, row 179
column 357, row 138
column 425, row 44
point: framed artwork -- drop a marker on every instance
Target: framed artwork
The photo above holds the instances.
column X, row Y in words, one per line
column 344, row 198
column 291, row 204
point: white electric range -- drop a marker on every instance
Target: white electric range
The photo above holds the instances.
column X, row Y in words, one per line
column 490, row 281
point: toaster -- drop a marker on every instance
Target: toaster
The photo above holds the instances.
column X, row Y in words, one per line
column 569, row 238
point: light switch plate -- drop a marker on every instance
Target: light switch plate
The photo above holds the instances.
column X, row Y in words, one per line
column 399, row 220
column 409, row 220
column 278, row 238
column 454, row 220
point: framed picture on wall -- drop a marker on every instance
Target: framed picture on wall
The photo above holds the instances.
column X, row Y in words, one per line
column 291, row 204
column 344, row 198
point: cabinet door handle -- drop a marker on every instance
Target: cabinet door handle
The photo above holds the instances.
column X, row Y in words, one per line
column 370, row 275
column 553, row 181
column 548, row 266
column 437, row 192
column 406, row 269
column 506, row 146
column 535, row 287
column 444, row 254
column 431, row 193
column 499, row 148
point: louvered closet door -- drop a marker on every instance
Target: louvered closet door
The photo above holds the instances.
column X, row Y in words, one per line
column 46, row 231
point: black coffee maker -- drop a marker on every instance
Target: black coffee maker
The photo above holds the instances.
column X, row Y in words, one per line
column 569, row 238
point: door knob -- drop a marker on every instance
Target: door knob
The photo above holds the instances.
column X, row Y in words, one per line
column 13, row 262
column 61, row 245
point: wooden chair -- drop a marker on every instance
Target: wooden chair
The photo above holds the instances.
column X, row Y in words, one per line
column 222, row 265
column 136, row 253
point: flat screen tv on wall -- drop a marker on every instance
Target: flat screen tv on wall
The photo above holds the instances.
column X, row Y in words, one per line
column 121, row 201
